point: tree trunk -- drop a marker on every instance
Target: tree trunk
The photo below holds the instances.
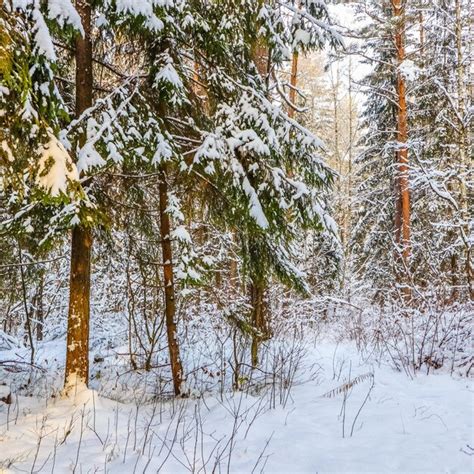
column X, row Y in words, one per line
column 463, row 149
column 170, row 303
column 402, row 219
column 77, row 355
column 259, row 320
column 39, row 307
column 293, row 84
column 348, row 194
column 28, row 326
column 261, row 57
column 422, row 35
column 77, row 352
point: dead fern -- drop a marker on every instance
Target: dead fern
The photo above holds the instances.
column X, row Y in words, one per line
column 345, row 387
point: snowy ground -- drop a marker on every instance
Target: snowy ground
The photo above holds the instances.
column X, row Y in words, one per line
column 404, row 425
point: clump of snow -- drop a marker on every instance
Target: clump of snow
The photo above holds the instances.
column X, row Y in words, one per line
column 249, row 141
column 408, row 69
column 169, row 74
column 180, row 233
column 89, row 157
column 64, row 13
column 142, row 8
column 256, row 210
column 163, row 150
column 302, row 37
column 56, row 168
column 43, row 41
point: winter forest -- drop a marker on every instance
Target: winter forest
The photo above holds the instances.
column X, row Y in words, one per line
column 236, row 236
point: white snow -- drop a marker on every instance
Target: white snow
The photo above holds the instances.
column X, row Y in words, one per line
column 405, row 425
column 163, row 150
column 142, row 8
column 256, row 210
column 302, row 37
column 180, row 233
column 89, row 157
column 56, row 167
column 64, row 13
column 409, row 70
column 169, row 74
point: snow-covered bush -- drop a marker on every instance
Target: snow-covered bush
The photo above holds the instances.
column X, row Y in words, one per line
column 424, row 339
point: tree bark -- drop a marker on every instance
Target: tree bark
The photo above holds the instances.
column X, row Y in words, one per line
column 261, row 57
column 463, row 148
column 403, row 213
column 293, row 83
column 39, row 307
column 28, row 326
column 77, row 353
column 170, row 303
column 259, row 319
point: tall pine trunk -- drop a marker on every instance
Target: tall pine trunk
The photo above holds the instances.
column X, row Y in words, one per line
column 402, row 217
column 463, row 147
column 77, row 352
column 170, row 303
column 347, row 221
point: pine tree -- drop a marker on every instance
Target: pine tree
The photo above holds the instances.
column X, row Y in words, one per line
column 433, row 121
column 374, row 237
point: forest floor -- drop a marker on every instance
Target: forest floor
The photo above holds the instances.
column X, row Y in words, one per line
column 385, row 422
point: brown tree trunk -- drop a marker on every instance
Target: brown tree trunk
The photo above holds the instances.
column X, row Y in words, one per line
column 77, row 354
column 259, row 320
column 170, row 303
column 77, row 351
column 257, row 286
column 293, row 83
column 402, row 219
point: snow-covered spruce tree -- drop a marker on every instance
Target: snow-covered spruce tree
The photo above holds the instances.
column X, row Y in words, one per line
column 43, row 179
column 373, row 238
column 230, row 145
column 272, row 37
column 38, row 180
column 441, row 118
column 37, row 174
column 437, row 137
column 237, row 144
